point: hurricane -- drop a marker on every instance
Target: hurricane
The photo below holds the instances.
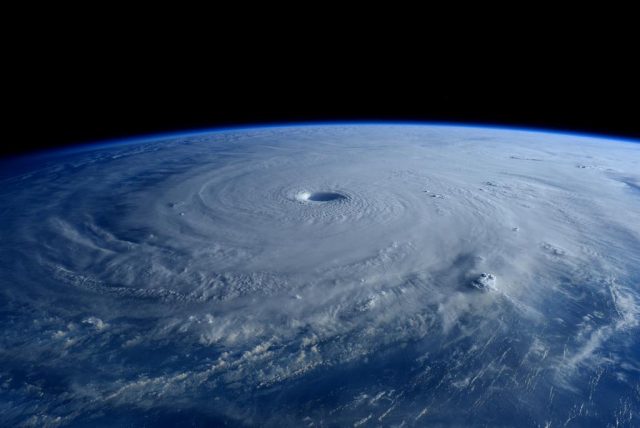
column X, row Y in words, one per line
column 323, row 275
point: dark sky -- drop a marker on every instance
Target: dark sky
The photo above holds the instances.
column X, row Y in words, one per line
column 65, row 91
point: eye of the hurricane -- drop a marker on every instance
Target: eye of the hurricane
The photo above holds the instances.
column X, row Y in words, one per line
column 320, row 196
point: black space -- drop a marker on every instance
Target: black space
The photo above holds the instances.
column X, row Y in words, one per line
column 66, row 92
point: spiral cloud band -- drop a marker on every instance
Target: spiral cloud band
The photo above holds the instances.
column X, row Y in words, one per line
column 349, row 275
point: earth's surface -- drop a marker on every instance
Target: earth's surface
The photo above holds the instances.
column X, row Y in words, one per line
column 335, row 275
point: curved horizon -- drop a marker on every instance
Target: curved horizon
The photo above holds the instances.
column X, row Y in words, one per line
column 66, row 148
